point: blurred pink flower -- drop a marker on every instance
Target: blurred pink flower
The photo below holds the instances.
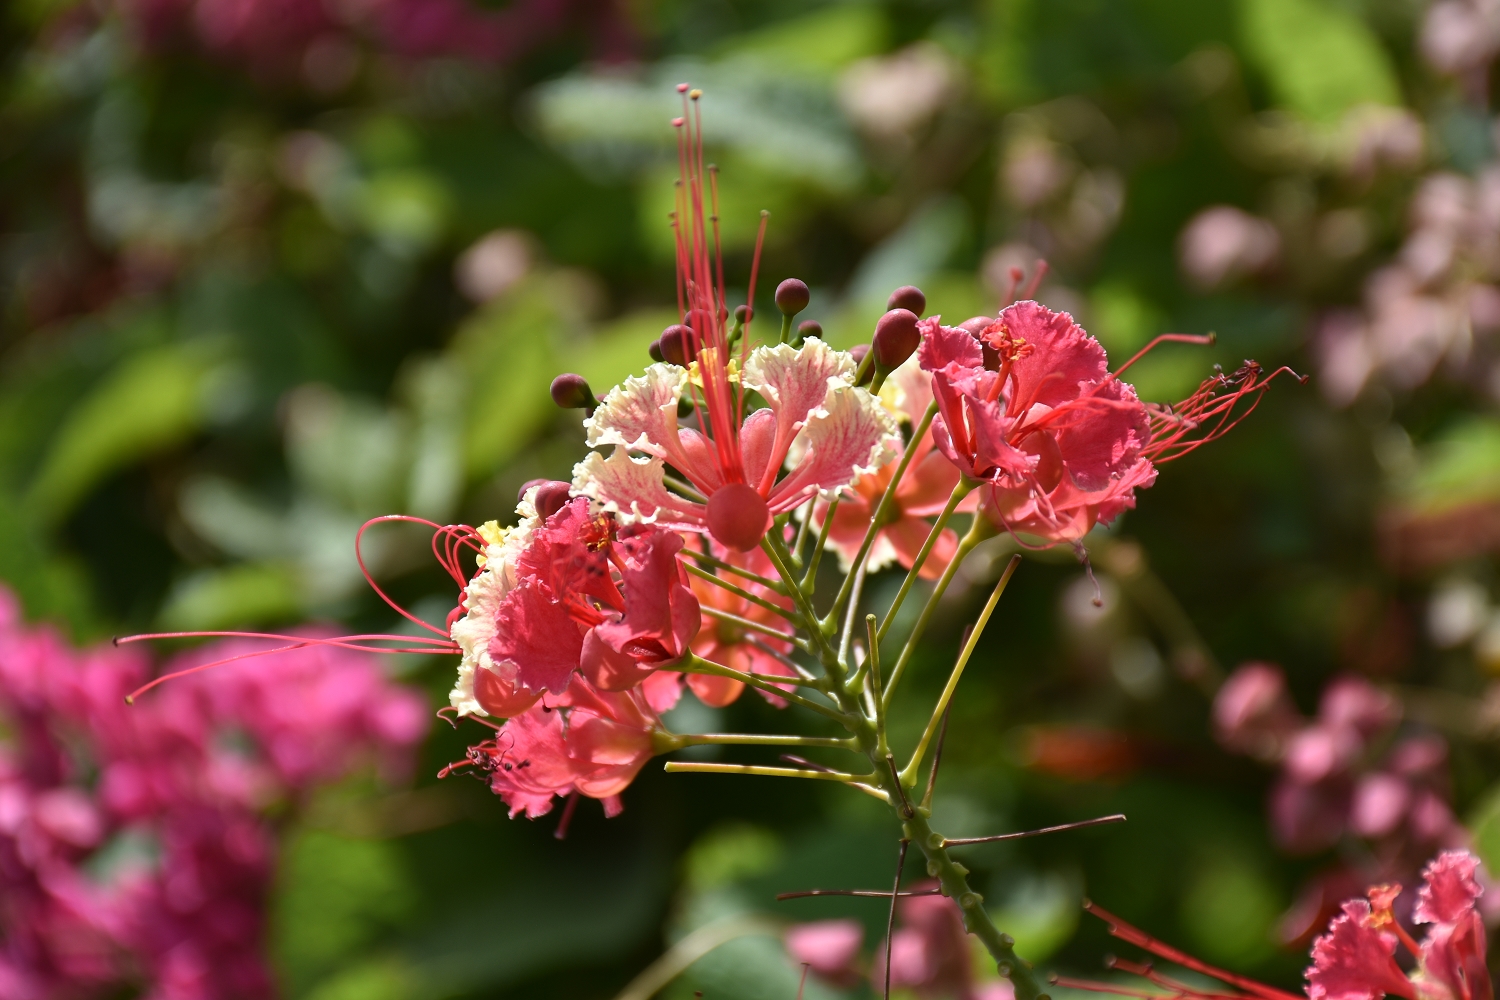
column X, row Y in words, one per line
column 1223, row 243
column 159, row 788
column 829, row 947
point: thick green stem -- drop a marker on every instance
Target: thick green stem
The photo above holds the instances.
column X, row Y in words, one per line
column 978, row 532
column 740, row 571
column 693, row 664
column 963, row 489
column 739, row 591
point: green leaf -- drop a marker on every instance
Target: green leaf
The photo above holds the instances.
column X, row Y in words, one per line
column 821, row 42
column 1460, row 467
column 240, row 595
column 1319, row 60
column 334, row 897
column 151, row 402
column 1041, row 913
column 1484, row 822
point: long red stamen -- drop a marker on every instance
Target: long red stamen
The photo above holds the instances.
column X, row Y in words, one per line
column 1176, row 338
column 1125, row 932
column 359, row 557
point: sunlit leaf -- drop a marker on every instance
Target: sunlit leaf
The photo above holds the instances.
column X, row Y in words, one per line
column 1320, row 59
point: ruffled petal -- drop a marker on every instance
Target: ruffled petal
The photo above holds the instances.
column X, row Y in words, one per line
column 1449, row 889
column 796, row 383
column 641, row 412
column 1061, row 356
column 634, row 491
column 1354, row 961
column 855, row 436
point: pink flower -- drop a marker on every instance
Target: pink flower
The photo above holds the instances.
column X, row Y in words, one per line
column 730, row 645
column 922, row 493
column 829, row 947
column 1355, row 960
column 564, row 594
column 588, row 741
column 929, row 953
column 1253, row 713
column 734, row 456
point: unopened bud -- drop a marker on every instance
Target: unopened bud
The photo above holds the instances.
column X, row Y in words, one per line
column 896, row 338
column 655, row 350
column 550, row 495
column 676, row 340
column 908, row 297
column 809, row 328
column 742, row 314
column 976, row 325
column 572, row 392
column 792, row 296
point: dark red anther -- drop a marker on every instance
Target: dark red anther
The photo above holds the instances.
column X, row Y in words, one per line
column 809, row 328
column 908, row 297
column 738, row 516
column 572, row 392
column 675, row 344
column 896, row 339
column 792, row 296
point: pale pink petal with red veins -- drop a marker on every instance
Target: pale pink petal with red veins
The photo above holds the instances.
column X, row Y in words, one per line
column 640, row 413
column 1354, row 961
column 853, row 437
column 1061, row 354
column 699, row 460
column 633, row 489
column 796, row 383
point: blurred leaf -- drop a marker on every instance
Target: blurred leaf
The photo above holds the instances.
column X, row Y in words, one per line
column 1484, row 823
column 236, row 596
column 1123, row 319
column 619, row 349
column 957, row 296
column 49, row 584
column 1229, row 909
column 1461, row 466
column 150, row 403
column 406, row 209
column 334, row 897
column 388, row 977
column 729, row 853
column 1320, row 59
column 1041, row 913
column 821, row 42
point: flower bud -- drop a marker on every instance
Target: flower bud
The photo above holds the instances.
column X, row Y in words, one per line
column 572, row 392
column 550, row 497
column 655, row 350
column 975, row 326
column 675, row 343
column 792, row 296
column 809, row 328
column 742, row 314
column 908, row 297
column 896, row 338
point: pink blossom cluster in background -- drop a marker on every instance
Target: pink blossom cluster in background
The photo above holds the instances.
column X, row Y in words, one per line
column 134, row 848
column 930, row 951
column 1437, row 304
column 319, row 39
column 1348, row 772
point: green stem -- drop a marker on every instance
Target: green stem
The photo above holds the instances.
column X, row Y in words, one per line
column 757, row 739
column 909, row 773
column 694, row 664
column 806, row 584
column 703, row 767
column 740, row 592
column 745, row 623
column 775, row 549
column 740, row 571
column 881, row 511
column 978, row 532
column 961, row 490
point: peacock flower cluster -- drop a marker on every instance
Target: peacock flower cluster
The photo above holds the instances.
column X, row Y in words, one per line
column 686, row 552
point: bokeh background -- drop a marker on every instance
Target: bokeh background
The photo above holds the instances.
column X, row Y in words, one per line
column 272, row 267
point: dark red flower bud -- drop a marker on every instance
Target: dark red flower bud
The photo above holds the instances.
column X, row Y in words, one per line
column 655, row 350
column 792, row 296
column 572, row 392
column 976, row 325
column 896, row 338
column 742, row 314
column 550, row 497
column 859, row 351
column 738, row 516
column 676, row 343
column 908, row 297
column 809, row 328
